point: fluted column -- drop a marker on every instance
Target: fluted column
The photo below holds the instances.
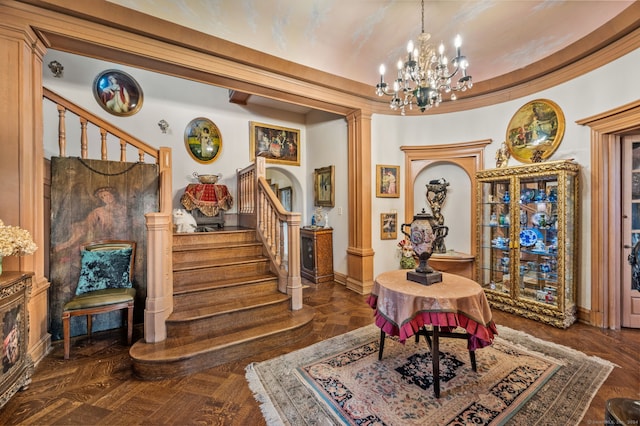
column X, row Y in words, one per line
column 359, row 252
column 22, row 162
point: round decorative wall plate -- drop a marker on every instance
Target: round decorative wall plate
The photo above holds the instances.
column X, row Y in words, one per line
column 203, row 140
column 117, row 92
column 535, row 131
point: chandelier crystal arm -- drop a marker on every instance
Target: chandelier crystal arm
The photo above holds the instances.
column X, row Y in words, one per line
column 425, row 75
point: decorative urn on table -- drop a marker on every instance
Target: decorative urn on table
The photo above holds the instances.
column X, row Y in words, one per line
column 424, row 234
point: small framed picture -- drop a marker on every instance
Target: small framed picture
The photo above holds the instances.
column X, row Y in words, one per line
column 286, row 197
column 117, row 93
column 203, row 140
column 276, row 144
column 388, row 226
column 323, row 187
column 387, row 181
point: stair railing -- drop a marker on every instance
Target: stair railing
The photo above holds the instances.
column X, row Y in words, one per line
column 159, row 303
column 278, row 229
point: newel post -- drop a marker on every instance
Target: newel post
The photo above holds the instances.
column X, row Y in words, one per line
column 159, row 303
column 294, row 282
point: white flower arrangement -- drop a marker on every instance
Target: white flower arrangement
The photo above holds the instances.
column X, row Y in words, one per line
column 15, row 241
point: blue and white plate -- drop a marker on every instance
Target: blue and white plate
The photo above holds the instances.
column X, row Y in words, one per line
column 528, row 238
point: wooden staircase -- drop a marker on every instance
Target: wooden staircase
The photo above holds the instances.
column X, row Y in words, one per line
column 226, row 307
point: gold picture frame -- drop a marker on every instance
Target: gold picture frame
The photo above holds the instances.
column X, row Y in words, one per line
column 280, row 145
column 387, row 181
column 117, row 93
column 388, row 226
column 203, row 140
column 324, row 187
column 535, row 131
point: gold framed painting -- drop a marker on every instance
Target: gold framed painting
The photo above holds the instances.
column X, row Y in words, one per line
column 117, row 93
column 203, row 140
column 324, row 187
column 535, row 131
column 276, row 144
column 387, row 181
column 388, row 226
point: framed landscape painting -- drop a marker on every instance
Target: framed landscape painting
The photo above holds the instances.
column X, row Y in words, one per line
column 276, row 144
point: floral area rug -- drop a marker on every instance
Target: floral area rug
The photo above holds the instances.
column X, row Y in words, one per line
column 520, row 380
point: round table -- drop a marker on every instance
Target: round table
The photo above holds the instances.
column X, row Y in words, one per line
column 403, row 308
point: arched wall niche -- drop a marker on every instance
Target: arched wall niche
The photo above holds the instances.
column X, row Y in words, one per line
column 468, row 156
column 283, row 178
column 459, row 192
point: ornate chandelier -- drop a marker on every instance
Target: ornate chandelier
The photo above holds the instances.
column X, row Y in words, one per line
column 425, row 75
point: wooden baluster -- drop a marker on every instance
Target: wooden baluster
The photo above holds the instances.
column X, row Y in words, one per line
column 123, row 150
column 242, row 187
column 62, row 131
column 83, row 138
column 252, row 192
column 270, row 215
column 140, row 156
column 103, row 145
column 260, row 209
column 279, row 243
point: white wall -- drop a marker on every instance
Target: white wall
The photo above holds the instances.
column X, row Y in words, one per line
column 175, row 100
column 324, row 141
column 327, row 135
column 608, row 87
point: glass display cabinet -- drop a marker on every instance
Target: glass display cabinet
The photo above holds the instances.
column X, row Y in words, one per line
column 528, row 225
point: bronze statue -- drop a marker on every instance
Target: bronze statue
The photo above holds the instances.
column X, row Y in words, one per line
column 436, row 194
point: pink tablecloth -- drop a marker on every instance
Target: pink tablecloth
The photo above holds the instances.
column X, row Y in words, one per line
column 206, row 197
column 402, row 307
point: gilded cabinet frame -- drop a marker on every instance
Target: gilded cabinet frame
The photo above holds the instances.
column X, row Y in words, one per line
column 528, row 239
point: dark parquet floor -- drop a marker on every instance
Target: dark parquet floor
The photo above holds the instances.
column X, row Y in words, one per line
column 96, row 386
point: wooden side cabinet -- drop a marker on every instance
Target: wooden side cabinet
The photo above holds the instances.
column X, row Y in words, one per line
column 316, row 254
column 17, row 367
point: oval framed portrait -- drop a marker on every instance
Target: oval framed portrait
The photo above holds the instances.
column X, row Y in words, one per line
column 203, row 140
column 117, row 93
column 535, row 131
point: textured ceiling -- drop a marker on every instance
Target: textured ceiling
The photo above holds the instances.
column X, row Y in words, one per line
column 351, row 38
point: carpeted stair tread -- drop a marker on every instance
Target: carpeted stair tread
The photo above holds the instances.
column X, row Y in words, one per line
column 176, row 349
column 203, row 264
column 240, row 304
column 230, row 282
